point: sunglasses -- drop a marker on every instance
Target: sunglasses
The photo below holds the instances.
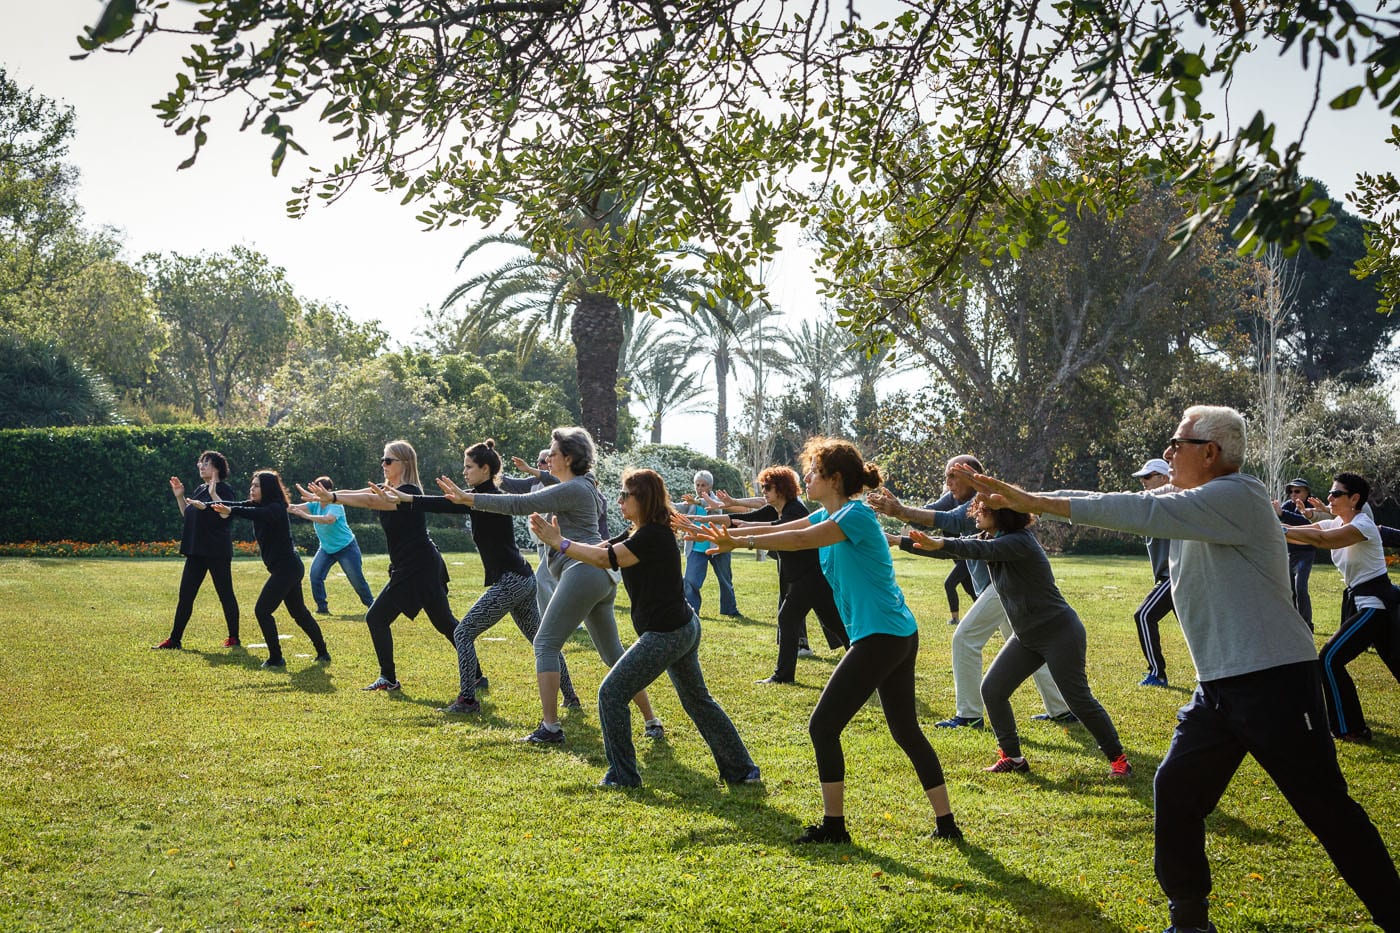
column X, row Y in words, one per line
column 1176, row 442
column 623, row 496
column 388, row 460
column 542, row 462
column 766, row 486
column 1337, row 493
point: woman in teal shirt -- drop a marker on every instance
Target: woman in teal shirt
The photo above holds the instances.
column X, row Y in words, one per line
column 337, row 546
column 855, row 559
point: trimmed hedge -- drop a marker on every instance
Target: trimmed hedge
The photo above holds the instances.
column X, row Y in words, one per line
column 112, row 483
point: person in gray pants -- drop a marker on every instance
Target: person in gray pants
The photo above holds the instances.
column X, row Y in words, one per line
column 582, row 593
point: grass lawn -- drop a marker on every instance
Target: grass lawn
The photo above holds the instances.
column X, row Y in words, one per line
column 191, row 790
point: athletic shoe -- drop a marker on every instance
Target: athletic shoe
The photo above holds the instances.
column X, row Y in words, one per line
column 752, row 777
column 543, row 736
column 953, row 835
column 275, row 664
column 482, row 685
column 573, row 702
column 953, row 620
column 462, row 706
column 1066, row 718
column 655, row 730
column 773, row 680
column 381, row 683
column 166, row 645
column 1208, row 928
column 1119, row 767
column 804, row 650
column 323, row 658
column 323, row 610
column 957, row 722
column 732, row 615
column 1152, row 680
column 231, row 642
column 1005, row 764
column 820, row 832
column 1356, row 735
column 613, row 783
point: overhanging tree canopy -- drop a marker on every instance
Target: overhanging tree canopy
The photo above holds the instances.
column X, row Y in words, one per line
column 726, row 118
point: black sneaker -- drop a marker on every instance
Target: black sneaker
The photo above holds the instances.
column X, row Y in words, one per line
column 752, row 776
column 1065, row 719
column 324, row 657
column 654, row 729
column 545, row 736
column 573, row 702
column 482, row 685
column 951, row 835
column 820, row 832
column 275, row 664
column 462, row 706
column 323, row 610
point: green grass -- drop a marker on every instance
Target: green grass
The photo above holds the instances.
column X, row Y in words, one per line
column 144, row 790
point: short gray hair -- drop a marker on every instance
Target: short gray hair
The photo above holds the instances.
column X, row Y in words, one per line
column 704, row 476
column 1223, row 425
column 577, row 445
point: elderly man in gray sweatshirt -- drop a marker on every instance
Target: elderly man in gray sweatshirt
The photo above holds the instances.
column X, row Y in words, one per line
column 1259, row 688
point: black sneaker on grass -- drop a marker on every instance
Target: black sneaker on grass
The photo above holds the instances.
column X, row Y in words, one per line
column 323, row 657
column 462, row 706
column 275, row 664
column 573, row 702
column 545, row 736
column 820, row 832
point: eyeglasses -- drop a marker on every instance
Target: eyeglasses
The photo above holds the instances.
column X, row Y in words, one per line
column 388, row 460
column 1176, row 442
column 766, row 486
column 622, row 496
column 543, row 461
column 1338, row 493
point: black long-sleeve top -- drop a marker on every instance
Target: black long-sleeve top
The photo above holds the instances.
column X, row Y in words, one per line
column 493, row 533
column 1022, row 575
column 793, row 566
column 272, row 528
column 207, row 533
column 417, row 572
column 1289, row 514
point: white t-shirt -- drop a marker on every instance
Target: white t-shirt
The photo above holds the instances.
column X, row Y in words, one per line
column 1361, row 561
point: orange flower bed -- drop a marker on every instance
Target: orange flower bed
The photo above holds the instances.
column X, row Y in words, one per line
column 108, row 549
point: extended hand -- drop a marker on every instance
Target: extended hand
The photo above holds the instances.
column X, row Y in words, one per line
column 454, row 492
column 219, row 507
column 388, row 493
column 315, row 491
column 176, row 486
column 883, row 501
column 546, row 530
column 925, row 542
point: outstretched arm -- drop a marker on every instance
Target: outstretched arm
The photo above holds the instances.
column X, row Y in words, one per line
column 1326, row 538
column 799, row 535
column 595, row 554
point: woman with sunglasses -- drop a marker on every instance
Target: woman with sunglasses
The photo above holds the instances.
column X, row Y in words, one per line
column 582, row 592
column 510, row 583
column 417, row 573
column 801, row 587
column 884, row 635
column 1355, row 542
column 668, row 632
column 266, row 507
column 207, row 545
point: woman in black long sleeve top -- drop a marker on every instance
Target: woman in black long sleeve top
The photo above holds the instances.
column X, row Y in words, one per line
column 417, row 574
column 802, row 587
column 266, row 507
column 509, row 580
column 207, row 544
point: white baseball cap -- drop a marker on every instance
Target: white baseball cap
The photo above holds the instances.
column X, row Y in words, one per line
column 1155, row 465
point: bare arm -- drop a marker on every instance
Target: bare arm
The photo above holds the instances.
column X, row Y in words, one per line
column 799, row 535
column 1328, row 538
column 595, row 554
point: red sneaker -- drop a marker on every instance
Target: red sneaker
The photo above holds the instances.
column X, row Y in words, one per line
column 1005, row 764
column 231, row 642
column 1119, row 767
column 166, row 645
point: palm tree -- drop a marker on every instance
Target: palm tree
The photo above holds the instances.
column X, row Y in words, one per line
column 818, row 357
column 551, row 287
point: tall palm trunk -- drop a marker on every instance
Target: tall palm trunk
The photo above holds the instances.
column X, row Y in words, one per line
column 722, row 402
column 596, row 329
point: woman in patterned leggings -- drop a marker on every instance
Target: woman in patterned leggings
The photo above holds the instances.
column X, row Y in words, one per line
column 509, row 580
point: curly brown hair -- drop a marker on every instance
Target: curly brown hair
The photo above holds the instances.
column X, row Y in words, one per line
column 782, row 479
column 831, row 455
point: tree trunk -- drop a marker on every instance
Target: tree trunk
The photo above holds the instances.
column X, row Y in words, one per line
column 722, row 403
column 596, row 330
column 656, row 430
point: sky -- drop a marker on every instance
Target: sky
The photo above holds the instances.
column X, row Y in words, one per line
column 366, row 252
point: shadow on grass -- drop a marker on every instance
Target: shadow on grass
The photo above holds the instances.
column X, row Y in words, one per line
column 301, row 674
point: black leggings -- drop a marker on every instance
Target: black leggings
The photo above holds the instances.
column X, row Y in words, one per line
column 876, row 662
column 191, row 580
column 810, row 593
column 958, row 576
column 283, row 587
column 383, row 613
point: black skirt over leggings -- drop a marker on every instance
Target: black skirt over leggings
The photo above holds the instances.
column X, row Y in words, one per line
column 876, row 662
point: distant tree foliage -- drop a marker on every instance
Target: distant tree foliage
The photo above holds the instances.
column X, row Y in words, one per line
column 42, row 386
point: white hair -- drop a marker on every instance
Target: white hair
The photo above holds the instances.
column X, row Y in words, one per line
column 705, row 476
column 1223, row 425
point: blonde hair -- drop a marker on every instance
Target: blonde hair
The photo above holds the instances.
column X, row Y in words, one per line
column 403, row 452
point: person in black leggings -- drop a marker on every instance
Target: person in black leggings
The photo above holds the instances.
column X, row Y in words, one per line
column 267, row 508
column 417, row 573
column 959, row 576
column 884, row 635
column 207, row 544
column 801, row 586
column 510, row 583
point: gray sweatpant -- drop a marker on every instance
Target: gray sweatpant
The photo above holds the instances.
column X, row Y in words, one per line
column 583, row 593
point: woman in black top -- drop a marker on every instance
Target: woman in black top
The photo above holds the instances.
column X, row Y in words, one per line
column 802, row 587
column 267, row 508
column 417, row 573
column 509, row 580
column 207, row 544
column 668, row 632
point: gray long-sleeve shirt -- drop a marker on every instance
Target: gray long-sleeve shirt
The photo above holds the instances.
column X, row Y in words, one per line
column 576, row 503
column 1022, row 574
column 1228, row 567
